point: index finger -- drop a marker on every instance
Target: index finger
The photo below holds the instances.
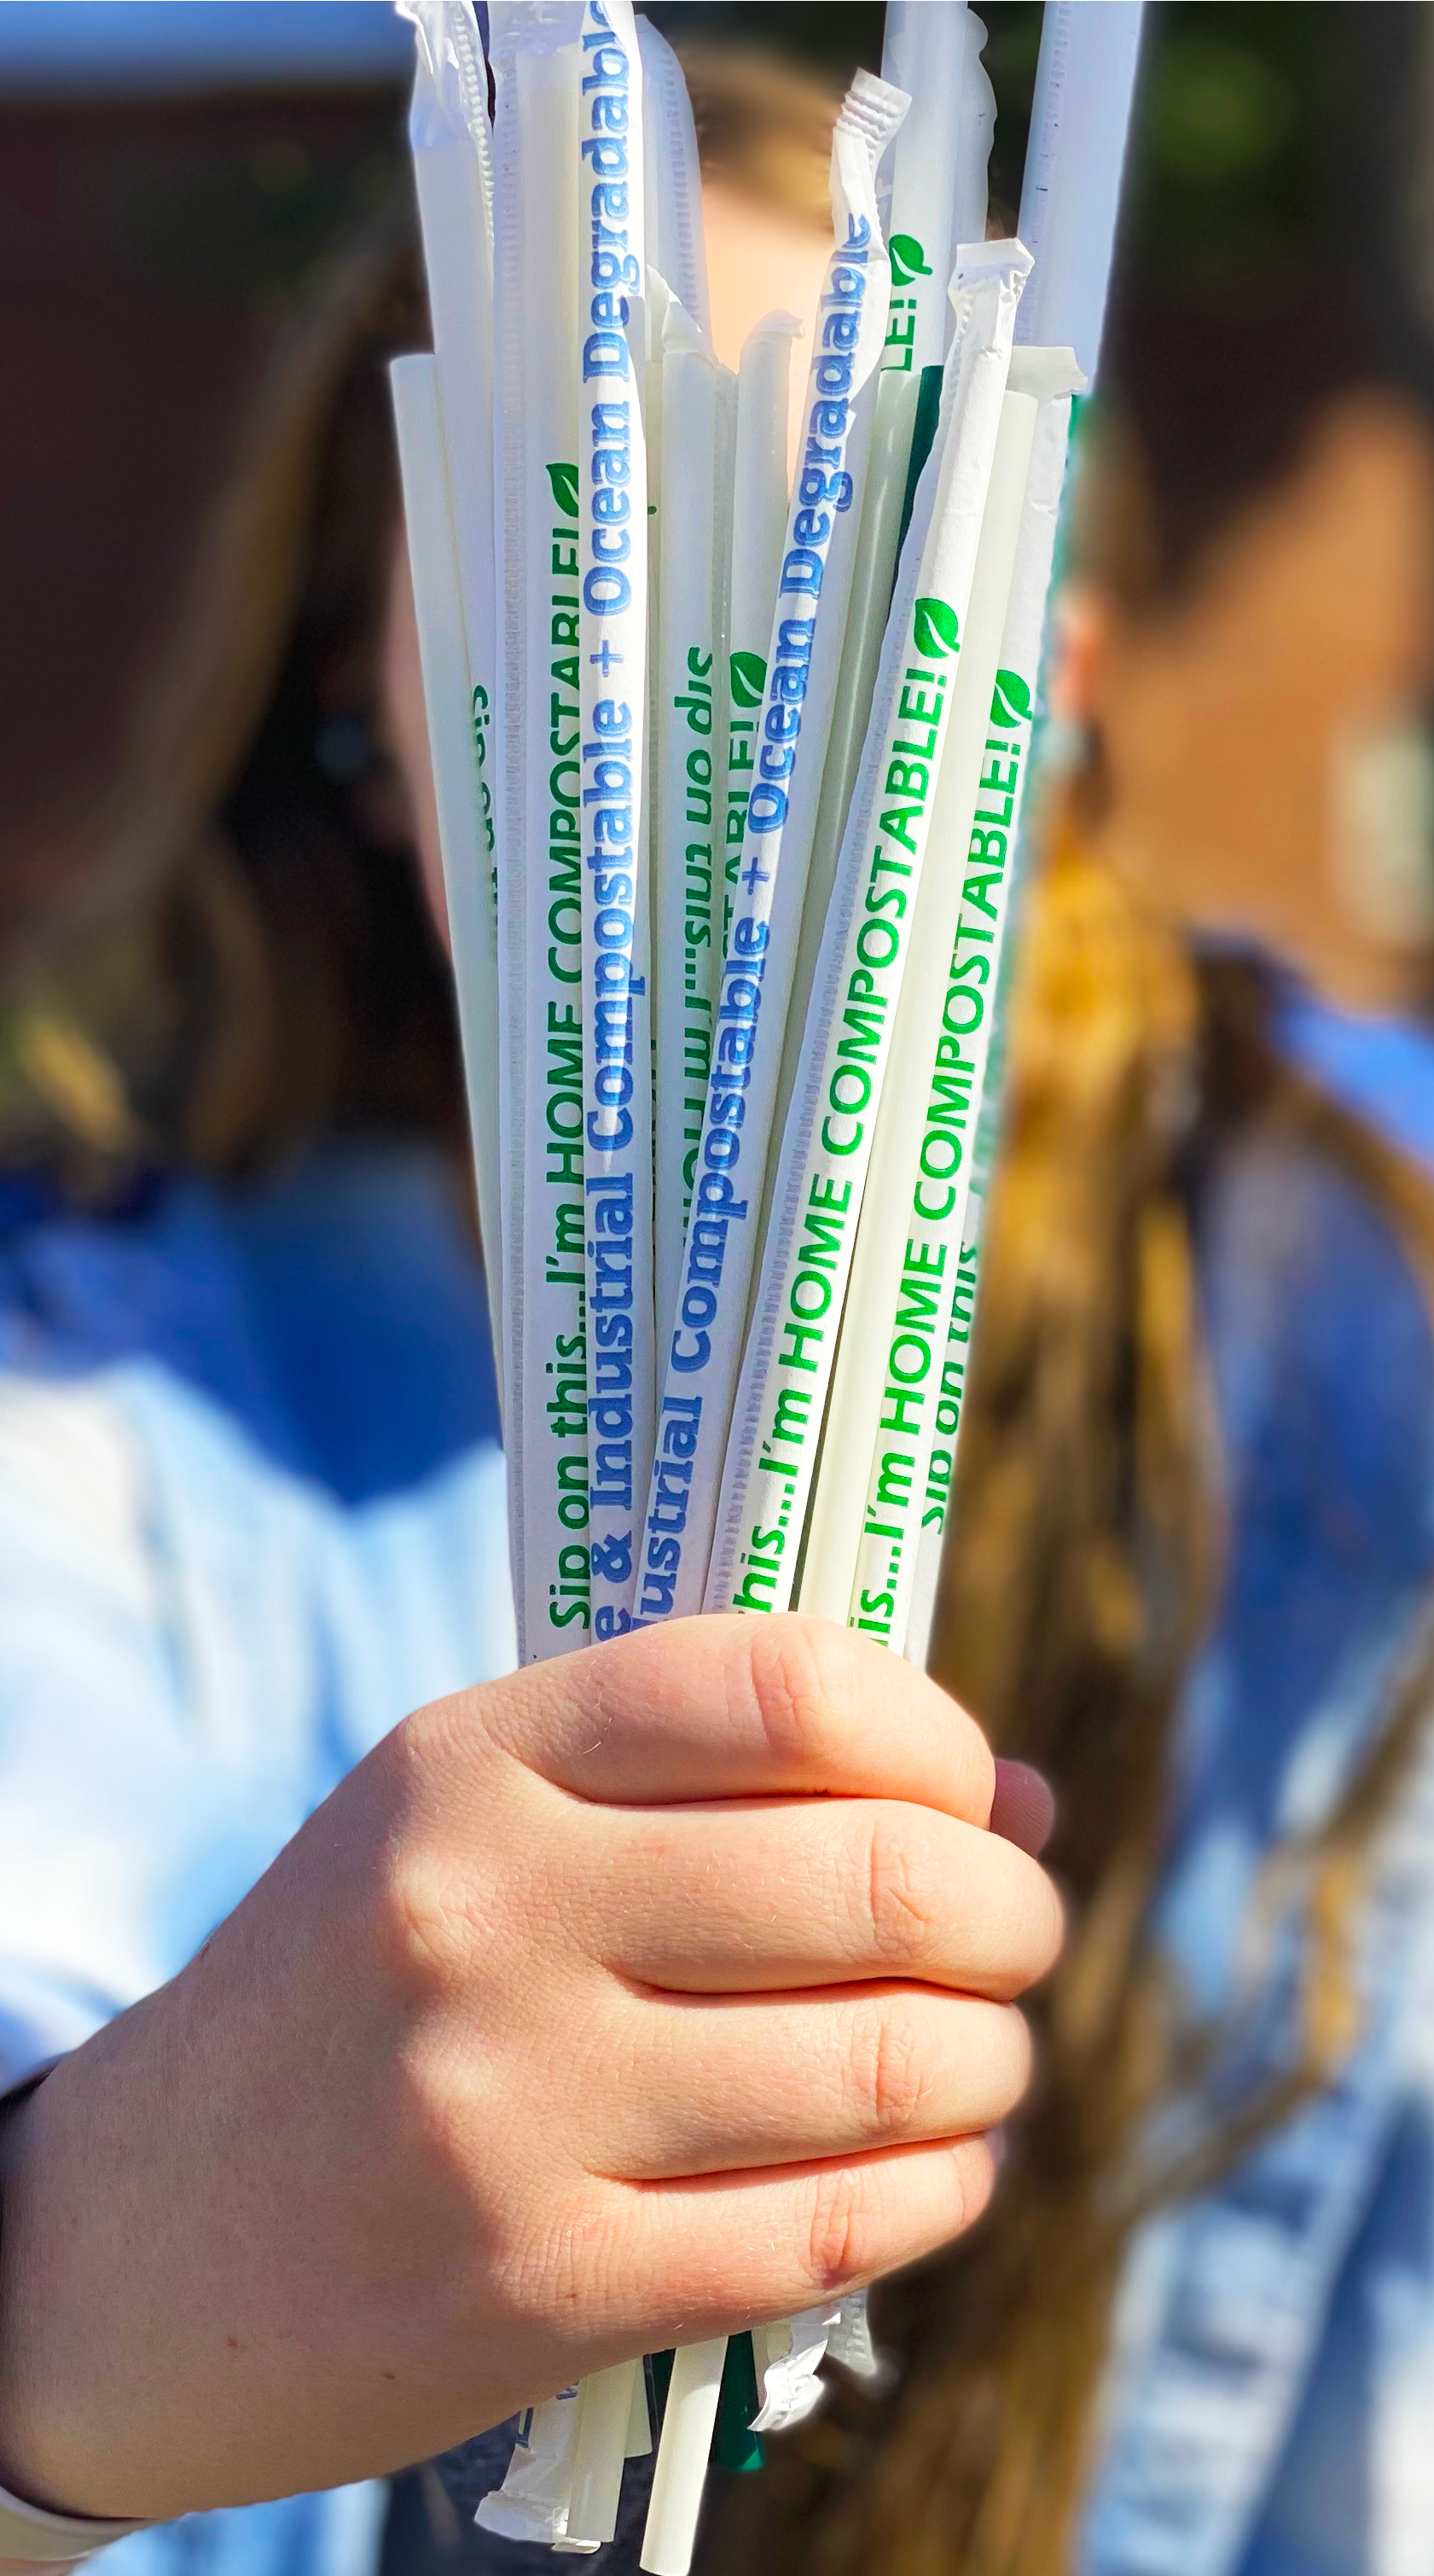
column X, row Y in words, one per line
column 729, row 1707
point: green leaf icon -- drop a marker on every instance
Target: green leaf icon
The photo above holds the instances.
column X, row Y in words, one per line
column 1011, row 702
column 907, row 260
column 564, row 480
column 937, row 629
column 749, row 679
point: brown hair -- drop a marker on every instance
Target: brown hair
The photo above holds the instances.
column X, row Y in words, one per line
column 1082, row 1565
column 1084, row 1561
column 251, row 964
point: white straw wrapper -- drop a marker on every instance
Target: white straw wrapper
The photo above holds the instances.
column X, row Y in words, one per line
column 937, row 164
column 939, row 1472
column 786, row 1372
column 447, row 698
column 541, row 1102
column 1070, row 193
column 612, row 507
column 703, row 1350
column 893, row 1328
column 532, row 2502
column 932, row 49
column 899, row 1313
column 689, row 707
column 453, row 172
column 758, row 528
column 676, row 243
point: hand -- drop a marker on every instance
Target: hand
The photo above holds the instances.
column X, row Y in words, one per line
column 649, row 1993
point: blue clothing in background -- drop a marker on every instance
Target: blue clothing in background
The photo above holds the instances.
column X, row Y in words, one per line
column 251, row 1512
column 1270, row 2405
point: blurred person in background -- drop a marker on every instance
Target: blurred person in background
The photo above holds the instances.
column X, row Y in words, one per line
column 1192, row 1567
column 251, row 1492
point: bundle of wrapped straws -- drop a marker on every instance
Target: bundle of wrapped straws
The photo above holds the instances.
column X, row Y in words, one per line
column 729, row 778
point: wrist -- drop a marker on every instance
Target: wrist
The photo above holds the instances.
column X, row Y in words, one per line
column 46, row 2319
column 34, row 2534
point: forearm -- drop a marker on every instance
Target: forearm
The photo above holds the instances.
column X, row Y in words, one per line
column 41, row 2534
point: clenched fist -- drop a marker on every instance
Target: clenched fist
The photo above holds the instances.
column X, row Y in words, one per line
column 649, row 1993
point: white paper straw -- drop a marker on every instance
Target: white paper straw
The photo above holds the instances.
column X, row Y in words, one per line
column 443, row 656
column 639, row 2422
column 539, row 722
column 682, row 2453
column 786, row 1372
column 893, row 1329
column 604, row 2415
column 704, row 1342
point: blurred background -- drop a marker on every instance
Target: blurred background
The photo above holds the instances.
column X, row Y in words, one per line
column 173, row 175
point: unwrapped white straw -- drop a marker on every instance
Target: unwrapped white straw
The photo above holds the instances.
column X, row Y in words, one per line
column 605, row 2403
column 682, row 2453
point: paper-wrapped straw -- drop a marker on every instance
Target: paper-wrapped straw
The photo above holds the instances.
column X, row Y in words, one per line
column 689, row 700
column 893, row 1333
column 936, row 168
column 704, row 1344
column 541, row 1102
column 447, row 698
column 797, row 837
column 786, row 1372
column 758, row 527
column 907, row 1267
column 936, row 1499
column 612, row 586
column 453, row 172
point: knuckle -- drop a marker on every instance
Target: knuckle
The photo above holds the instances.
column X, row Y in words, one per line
column 888, row 2068
column 1015, row 2059
column 421, row 1923
column 899, row 1886
column 845, row 2236
column 1031, row 1920
column 800, row 1672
